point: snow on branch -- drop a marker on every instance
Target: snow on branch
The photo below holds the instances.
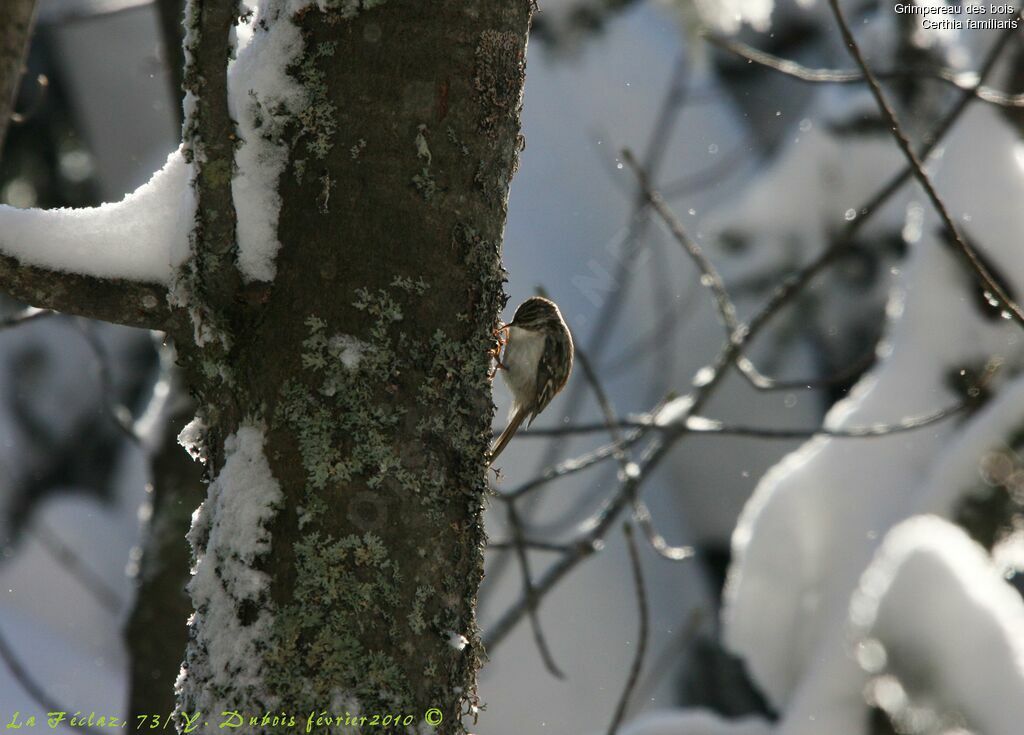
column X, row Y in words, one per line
column 111, row 262
column 942, row 630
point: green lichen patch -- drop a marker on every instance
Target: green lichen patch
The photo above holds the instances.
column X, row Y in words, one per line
column 362, row 468
column 425, row 184
column 318, row 117
column 348, row 9
column 498, row 79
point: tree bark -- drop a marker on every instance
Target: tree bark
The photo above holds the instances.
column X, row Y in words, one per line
column 344, row 406
column 15, row 30
column 364, row 369
column 156, row 632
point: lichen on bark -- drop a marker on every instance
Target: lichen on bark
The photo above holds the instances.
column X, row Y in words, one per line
column 366, row 359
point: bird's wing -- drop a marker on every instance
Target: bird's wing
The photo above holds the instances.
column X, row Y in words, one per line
column 550, row 374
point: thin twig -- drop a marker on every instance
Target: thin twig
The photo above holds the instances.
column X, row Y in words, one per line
column 529, row 592
column 27, row 314
column 588, row 543
column 120, row 414
column 33, row 688
column 966, row 251
column 569, row 466
column 961, row 80
column 712, row 375
column 700, row 425
column 668, row 115
column 709, row 276
column 66, row 557
column 641, row 513
column 531, row 544
column 642, row 635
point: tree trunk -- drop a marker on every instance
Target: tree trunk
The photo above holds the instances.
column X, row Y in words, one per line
column 156, row 632
column 342, row 380
column 359, row 377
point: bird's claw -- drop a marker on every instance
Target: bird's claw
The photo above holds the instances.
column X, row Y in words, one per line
column 501, row 335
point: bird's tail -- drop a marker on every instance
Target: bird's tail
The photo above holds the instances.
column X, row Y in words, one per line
column 518, row 416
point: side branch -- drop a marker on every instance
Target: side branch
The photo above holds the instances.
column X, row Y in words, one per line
column 968, row 254
column 210, row 139
column 964, row 81
column 118, row 300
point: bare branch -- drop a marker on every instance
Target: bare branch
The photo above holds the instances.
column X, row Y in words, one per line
column 15, row 31
column 116, row 300
column 210, row 139
column 569, row 466
column 588, row 543
column 962, row 247
column 611, row 421
column 68, row 558
column 531, row 544
column 28, row 314
column 963, row 81
column 642, row 635
column 529, row 592
column 119, row 414
column 935, row 136
column 795, row 283
column 709, row 276
column 32, row 687
column 694, row 424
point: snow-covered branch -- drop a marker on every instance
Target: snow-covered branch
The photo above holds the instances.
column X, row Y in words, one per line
column 114, row 262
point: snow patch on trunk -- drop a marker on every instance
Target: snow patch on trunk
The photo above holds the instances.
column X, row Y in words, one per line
column 263, row 98
column 234, row 612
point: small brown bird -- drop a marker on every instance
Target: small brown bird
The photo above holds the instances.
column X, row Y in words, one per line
column 536, row 361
